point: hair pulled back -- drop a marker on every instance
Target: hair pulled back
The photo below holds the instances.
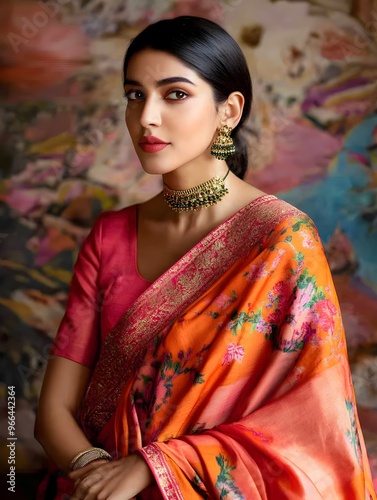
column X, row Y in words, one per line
column 215, row 56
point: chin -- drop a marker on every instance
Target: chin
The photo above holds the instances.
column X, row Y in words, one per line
column 156, row 166
column 154, row 169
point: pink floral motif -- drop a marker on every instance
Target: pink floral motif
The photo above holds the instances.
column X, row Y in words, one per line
column 283, row 292
column 325, row 311
column 233, row 352
column 307, row 239
column 277, row 316
column 303, row 297
column 223, row 301
column 277, row 259
column 263, row 327
column 283, row 289
column 298, row 338
column 257, row 271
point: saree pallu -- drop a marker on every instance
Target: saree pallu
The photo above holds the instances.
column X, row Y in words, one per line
column 229, row 375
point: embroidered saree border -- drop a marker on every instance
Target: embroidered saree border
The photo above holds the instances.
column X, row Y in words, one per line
column 168, row 297
column 166, row 481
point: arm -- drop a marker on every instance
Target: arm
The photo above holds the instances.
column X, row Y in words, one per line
column 62, row 438
column 120, row 479
column 67, row 377
column 56, row 427
column 73, row 357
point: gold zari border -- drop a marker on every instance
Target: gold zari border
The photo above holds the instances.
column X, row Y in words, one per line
column 166, row 481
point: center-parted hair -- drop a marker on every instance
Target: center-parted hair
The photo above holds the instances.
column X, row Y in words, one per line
column 208, row 49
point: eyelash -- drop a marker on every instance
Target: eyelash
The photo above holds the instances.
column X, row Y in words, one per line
column 127, row 94
column 185, row 94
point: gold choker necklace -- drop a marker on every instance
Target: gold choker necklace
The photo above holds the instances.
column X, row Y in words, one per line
column 202, row 196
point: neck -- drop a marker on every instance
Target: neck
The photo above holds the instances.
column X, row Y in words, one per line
column 187, row 178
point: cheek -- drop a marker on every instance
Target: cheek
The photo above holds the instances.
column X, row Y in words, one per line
column 131, row 124
column 198, row 121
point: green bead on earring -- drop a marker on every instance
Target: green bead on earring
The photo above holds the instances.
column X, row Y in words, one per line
column 223, row 145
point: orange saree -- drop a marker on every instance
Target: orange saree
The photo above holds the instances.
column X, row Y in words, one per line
column 229, row 374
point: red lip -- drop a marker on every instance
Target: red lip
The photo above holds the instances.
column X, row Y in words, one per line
column 153, row 148
column 150, row 139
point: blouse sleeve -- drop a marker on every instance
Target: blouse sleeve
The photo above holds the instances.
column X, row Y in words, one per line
column 78, row 336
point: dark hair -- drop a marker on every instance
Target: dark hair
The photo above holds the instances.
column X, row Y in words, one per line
column 208, row 49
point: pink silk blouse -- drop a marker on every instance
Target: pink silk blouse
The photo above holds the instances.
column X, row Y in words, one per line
column 105, row 283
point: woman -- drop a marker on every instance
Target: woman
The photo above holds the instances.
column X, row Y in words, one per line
column 202, row 353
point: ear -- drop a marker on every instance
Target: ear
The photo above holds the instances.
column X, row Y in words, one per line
column 230, row 111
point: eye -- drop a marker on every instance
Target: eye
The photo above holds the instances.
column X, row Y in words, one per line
column 134, row 95
column 177, row 95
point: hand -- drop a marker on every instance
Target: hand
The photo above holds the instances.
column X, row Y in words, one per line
column 84, row 471
column 117, row 480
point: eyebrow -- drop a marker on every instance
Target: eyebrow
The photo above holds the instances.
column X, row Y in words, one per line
column 161, row 83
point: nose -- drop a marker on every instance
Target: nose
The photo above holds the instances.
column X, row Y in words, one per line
column 151, row 113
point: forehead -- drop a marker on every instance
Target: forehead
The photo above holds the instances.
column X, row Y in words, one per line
column 149, row 66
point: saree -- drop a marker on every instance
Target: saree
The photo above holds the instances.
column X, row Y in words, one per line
column 229, row 374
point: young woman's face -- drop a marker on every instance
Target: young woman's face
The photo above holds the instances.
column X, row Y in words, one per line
column 171, row 114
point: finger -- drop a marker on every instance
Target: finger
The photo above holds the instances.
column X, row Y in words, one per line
column 87, row 468
column 88, row 487
column 118, row 487
column 114, row 488
column 96, row 480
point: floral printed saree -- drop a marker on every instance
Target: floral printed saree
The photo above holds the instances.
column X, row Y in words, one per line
column 229, row 374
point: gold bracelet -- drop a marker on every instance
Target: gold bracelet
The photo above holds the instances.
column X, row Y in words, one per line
column 85, row 457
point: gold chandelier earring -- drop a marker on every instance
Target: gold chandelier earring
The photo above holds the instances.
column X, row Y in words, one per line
column 223, row 145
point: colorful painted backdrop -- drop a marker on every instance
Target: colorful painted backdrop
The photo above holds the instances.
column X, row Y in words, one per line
column 65, row 157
